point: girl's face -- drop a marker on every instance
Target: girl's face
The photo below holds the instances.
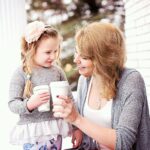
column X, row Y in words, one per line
column 47, row 52
column 84, row 65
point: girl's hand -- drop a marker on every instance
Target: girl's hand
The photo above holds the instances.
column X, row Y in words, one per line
column 66, row 110
column 77, row 137
column 37, row 99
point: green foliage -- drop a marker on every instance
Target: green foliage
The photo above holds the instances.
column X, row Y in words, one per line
column 86, row 11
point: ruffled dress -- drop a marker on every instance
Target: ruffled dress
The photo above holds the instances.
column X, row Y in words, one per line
column 40, row 131
column 35, row 126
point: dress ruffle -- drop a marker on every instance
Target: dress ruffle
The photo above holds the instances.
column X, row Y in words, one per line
column 43, row 131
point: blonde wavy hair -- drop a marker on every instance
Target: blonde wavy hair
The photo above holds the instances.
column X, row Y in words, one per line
column 28, row 50
column 104, row 44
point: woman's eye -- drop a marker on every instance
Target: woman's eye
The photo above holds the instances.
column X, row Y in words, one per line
column 84, row 57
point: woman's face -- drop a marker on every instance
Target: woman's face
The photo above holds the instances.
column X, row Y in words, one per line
column 84, row 64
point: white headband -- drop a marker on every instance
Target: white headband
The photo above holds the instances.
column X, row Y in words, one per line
column 33, row 31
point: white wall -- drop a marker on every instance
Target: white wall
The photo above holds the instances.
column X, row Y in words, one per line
column 12, row 22
column 137, row 30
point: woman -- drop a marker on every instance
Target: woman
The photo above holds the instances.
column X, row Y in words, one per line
column 111, row 98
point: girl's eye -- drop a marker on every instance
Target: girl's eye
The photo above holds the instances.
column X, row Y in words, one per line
column 55, row 51
column 48, row 52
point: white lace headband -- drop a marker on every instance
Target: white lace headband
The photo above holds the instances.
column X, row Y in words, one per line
column 33, row 31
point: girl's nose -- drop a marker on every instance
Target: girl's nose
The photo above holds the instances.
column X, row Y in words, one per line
column 53, row 56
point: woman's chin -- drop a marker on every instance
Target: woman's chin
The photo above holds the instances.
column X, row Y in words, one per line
column 86, row 74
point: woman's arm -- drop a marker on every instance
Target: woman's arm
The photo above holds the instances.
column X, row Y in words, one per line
column 128, row 114
column 102, row 135
column 105, row 136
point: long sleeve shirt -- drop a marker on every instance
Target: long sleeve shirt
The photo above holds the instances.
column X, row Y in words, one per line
column 18, row 104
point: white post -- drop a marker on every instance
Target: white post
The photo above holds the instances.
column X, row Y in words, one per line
column 12, row 23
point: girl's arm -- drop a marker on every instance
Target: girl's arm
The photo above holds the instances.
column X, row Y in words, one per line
column 17, row 103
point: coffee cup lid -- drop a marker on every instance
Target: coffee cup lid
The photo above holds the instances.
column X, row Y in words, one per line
column 59, row 83
column 39, row 87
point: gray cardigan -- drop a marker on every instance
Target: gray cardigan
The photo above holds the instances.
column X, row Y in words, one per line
column 130, row 113
column 17, row 103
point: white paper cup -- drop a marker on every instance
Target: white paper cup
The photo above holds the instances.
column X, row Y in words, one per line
column 59, row 88
column 40, row 89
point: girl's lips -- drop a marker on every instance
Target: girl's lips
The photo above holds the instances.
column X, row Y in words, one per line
column 50, row 62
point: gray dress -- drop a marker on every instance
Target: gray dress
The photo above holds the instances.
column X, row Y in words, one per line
column 34, row 124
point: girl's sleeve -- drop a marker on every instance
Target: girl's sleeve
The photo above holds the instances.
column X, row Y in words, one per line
column 17, row 103
column 134, row 107
column 62, row 75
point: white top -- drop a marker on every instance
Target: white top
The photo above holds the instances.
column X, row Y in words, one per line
column 101, row 116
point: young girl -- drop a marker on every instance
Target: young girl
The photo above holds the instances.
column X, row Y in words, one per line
column 37, row 130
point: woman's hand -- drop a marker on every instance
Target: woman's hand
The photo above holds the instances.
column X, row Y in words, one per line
column 37, row 99
column 77, row 137
column 66, row 110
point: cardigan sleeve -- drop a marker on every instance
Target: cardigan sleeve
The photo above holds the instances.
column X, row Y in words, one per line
column 17, row 103
column 133, row 98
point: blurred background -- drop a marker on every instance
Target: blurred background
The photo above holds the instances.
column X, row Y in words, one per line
column 69, row 15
